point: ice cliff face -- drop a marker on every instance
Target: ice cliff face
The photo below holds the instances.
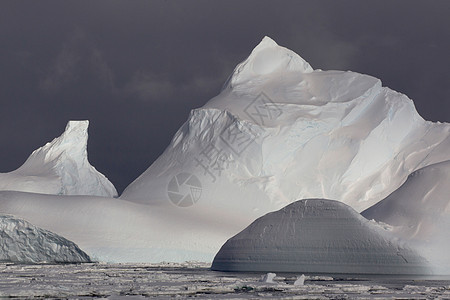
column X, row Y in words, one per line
column 280, row 131
column 318, row 236
column 60, row 167
column 24, row 243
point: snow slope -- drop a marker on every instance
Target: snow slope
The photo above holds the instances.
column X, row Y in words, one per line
column 22, row 242
column 280, row 131
column 60, row 167
column 317, row 236
column 420, row 212
column 114, row 230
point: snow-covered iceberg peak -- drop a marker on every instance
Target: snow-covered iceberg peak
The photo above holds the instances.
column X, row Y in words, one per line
column 268, row 58
column 60, row 167
column 74, row 139
column 282, row 131
column 72, row 143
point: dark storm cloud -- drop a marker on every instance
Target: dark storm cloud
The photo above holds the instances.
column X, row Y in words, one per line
column 136, row 68
column 77, row 53
column 62, row 70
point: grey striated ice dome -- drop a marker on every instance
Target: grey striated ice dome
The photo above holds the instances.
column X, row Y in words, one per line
column 320, row 236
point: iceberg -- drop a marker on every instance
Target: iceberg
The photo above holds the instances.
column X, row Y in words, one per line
column 280, row 131
column 318, row 236
column 60, row 167
column 419, row 211
column 22, row 242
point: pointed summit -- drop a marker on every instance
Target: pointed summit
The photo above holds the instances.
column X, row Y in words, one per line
column 73, row 142
column 268, row 58
column 60, row 167
column 77, row 127
column 266, row 42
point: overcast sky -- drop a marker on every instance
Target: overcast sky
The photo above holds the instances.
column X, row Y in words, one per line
column 136, row 68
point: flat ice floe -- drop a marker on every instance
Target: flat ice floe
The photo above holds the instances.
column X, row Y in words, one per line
column 168, row 281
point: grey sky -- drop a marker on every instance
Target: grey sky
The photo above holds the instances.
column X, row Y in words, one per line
column 136, row 68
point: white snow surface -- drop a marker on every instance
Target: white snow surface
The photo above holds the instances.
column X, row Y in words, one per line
column 280, row 131
column 114, row 230
column 318, row 236
column 419, row 211
column 60, row 167
column 23, row 242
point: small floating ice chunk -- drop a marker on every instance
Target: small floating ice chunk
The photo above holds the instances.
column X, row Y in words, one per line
column 268, row 278
column 300, row 280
